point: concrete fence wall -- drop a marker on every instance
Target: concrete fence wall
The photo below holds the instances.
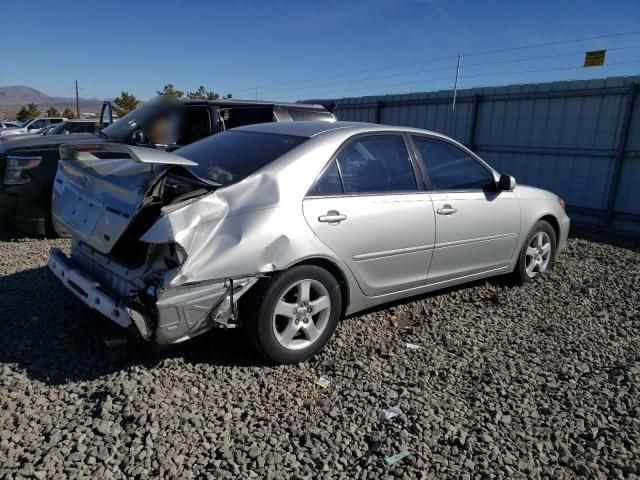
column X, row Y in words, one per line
column 579, row 139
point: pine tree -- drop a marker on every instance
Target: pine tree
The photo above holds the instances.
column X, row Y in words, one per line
column 28, row 112
column 200, row 93
column 125, row 103
column 170, row 91
column 53, row 112
column 68, row 113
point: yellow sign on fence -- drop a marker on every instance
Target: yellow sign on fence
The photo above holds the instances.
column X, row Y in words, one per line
column 594, row 58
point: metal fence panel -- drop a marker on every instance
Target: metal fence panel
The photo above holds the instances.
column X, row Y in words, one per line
column 579, row 139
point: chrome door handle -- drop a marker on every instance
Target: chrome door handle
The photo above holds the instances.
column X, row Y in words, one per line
column 447, row 210
column 333, row 217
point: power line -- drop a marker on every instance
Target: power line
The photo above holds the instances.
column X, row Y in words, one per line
column 433, row 60
column 422, row 82
column 451, row 67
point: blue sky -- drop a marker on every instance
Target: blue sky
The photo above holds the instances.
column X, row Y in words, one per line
column 279, row 45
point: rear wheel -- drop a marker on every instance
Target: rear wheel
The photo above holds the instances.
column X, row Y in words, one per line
column 292, row 316
column 538, row 252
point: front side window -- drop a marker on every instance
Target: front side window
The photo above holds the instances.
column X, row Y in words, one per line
column 231, row 156
column 37, row 124
column 450, row 168
column 376, row 164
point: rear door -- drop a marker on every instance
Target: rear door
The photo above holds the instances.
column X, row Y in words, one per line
column 477, row 227
column 372, row 211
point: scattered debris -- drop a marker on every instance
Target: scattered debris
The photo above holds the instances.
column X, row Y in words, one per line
column 389, row 414
column 329, row 364
column 406, row 320
column 413, row 346
column 393, row 459
column 323, row 382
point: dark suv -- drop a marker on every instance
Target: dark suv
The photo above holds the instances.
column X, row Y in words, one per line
column 28, row 166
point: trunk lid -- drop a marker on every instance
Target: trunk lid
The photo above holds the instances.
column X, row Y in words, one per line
column 101, row 187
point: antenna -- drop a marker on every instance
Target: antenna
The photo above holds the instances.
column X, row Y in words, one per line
column 455, row 85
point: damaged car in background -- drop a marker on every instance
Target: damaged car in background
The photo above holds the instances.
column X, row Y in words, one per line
column 283, row 228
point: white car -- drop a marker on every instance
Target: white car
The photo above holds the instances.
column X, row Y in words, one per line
column 4, row 125
column 31, row 126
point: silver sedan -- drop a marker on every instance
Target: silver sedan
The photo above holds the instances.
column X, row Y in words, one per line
column 281, row 229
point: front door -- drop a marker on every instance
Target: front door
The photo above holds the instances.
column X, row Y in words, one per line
column 477, row 227
column 368, row 208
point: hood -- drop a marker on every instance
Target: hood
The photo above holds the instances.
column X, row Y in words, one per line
column 46, row 141
column 100, row 188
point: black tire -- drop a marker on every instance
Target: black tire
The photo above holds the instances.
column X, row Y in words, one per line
column 257, row 310
column 520, row 273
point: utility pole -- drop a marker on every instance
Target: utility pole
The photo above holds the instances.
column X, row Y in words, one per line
column 77, row 102
column 455, row 85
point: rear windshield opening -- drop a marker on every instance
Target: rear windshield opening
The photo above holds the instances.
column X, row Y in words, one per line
column 231, row 156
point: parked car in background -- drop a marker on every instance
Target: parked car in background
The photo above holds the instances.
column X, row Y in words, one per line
column 76, row 126
column 28, row 166
column 281, row 229
column 31, row 126
column 6, row 124
column 62, row 128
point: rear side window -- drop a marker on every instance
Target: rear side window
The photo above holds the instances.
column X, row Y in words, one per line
column 231, row 156
column 328, row 184
column 450, row 168
column 376, row 164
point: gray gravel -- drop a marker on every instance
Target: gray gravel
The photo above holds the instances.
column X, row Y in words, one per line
column 514, row 382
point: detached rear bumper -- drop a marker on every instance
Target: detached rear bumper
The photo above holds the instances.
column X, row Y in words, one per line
column 178, row 313
column 87, row 289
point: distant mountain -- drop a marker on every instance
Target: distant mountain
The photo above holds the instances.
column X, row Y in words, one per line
column 13, row 97
column 19, row 95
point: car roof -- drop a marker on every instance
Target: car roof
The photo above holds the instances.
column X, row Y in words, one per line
column 313, row 128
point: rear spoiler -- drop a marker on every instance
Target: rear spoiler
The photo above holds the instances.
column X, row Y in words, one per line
column 329, row 105
column 90, row 150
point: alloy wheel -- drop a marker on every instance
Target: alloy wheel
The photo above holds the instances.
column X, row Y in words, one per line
column 301, row 314
column 538, row 254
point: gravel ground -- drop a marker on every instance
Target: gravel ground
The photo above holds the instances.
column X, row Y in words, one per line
column 515, row 382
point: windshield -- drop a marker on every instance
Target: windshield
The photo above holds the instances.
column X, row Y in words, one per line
column 141, row 118
column 231, row 156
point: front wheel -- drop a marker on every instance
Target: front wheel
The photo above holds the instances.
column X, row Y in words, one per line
column 292, row 316
column 538, row 252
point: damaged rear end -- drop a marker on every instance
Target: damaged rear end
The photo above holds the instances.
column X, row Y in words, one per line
column 115, row 200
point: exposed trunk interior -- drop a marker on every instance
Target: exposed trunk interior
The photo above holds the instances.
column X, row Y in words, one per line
column 177, row 185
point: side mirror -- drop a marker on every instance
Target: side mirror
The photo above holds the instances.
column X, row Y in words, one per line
column 139, row 138
column 506, row 183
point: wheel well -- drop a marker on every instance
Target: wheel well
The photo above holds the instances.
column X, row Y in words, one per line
column 551, row 220
column 337, row 273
